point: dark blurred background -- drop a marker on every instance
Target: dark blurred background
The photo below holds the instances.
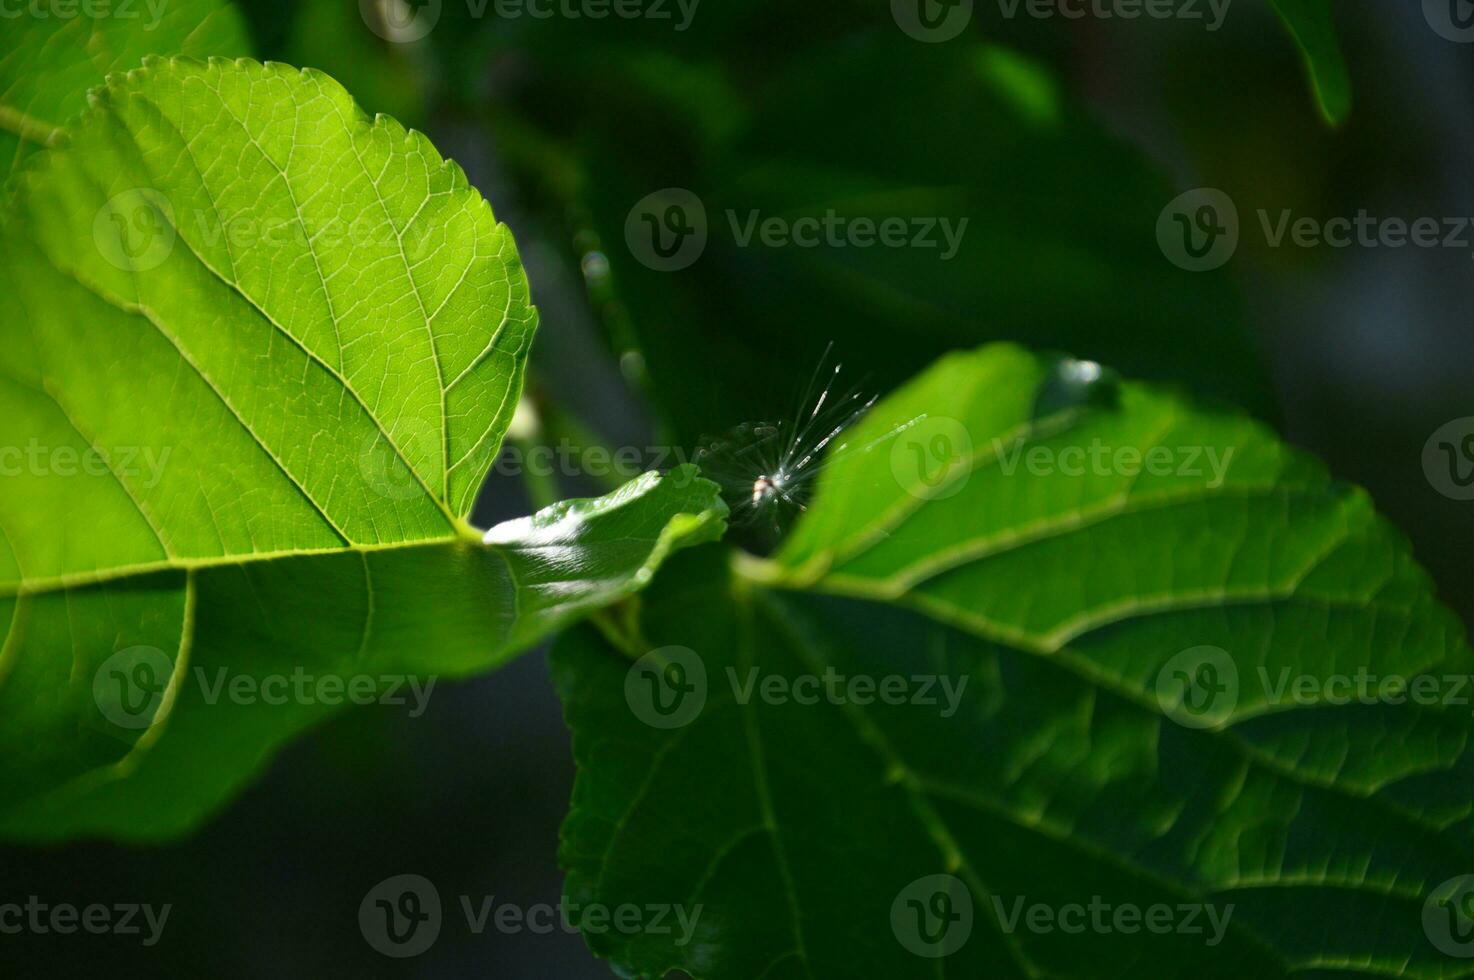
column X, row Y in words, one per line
column 1355, row 354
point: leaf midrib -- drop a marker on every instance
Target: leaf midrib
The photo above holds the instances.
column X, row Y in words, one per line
column 466, row 536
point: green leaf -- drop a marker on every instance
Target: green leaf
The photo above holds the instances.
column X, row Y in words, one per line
column 48, row 63
column 1312, row 24
column 251, row 381
column 1043, row 593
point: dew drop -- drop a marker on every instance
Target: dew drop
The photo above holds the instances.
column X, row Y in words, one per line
column 1072, row 383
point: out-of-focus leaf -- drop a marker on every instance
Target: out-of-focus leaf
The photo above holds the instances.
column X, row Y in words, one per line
column 1312, row 24
column 331, row 35
column 1058, row 249
column 47, row 63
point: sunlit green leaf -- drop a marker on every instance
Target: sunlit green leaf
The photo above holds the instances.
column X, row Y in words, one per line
column 251, row 380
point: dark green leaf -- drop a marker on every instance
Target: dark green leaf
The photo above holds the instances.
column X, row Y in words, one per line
column 1114, row 633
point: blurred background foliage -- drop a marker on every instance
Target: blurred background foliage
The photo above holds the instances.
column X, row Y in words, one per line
column 1060, row 140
